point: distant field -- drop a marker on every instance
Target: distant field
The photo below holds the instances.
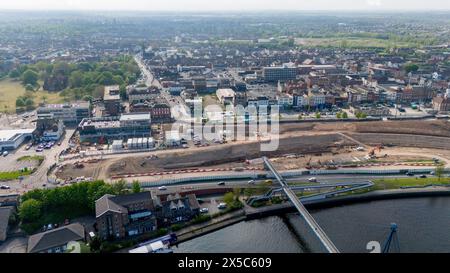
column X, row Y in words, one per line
column 10, row 90
column 349, row 42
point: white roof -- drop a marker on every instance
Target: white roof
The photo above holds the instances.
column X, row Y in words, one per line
column 6, row 135
column 141, row 116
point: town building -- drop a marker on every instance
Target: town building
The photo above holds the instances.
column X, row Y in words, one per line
column 442, row 103
column 111, row 100
column 141, row 94
column 5, row 214
column 56, row 240
column 158, row 108
column 124, row 215
column 175, row 208
column 70, row 114
column 283, row 73
column 111, row 128
column 226, row 96
column 49, row 129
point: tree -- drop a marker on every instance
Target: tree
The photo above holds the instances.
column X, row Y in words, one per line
column 411, row 67
column 344, row 115
column 228, row 198
column 30, row 210
column 95, row 244
column 14, row 74
column 136, row 187
column 339, row 115
column 30, row 77
column 318, row 115
column 120, row 187
column 439, row 172
column 76, row 79
column 20, row 102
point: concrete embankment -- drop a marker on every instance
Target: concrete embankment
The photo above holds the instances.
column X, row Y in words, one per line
column 255, row 213
column 220, row 222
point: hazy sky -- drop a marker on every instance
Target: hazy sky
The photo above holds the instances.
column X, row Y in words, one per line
column 232, row 5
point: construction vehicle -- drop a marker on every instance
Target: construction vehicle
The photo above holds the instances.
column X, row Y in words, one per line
column 308, row 164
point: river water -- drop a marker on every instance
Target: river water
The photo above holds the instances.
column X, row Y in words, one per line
column 423, row 226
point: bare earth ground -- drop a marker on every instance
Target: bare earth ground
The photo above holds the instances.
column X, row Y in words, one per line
column 319, row 141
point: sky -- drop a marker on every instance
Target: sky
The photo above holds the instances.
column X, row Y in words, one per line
column 225, row 5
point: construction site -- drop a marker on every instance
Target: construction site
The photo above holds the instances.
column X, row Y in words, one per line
column 319, row 145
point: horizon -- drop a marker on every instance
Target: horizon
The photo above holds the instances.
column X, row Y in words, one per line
column 227, row 6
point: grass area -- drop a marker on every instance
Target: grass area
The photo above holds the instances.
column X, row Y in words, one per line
column 396, row 183
column 11, row 89
column 349, row 42
column 14, row 175
column 38, row 158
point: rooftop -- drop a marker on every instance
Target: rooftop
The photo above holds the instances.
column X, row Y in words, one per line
column 11, row 135
column 56, row 237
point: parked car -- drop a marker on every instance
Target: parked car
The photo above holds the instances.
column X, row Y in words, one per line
column 5, row 187
column 162, row 188
column 221, row 183
column 409, row 174
column 5, row 153
column 312, row 179
column 251, row 182
column 204, row 210
column 423, row 176
column 222, row 206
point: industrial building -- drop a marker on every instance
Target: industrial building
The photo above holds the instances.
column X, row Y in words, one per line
column 107, row 129
column 11, row 139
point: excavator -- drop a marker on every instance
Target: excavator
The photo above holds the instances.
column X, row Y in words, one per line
column 372, row 151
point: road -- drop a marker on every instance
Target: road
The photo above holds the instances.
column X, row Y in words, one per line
column 178, row 108
column 301, row 179
column 39, row 177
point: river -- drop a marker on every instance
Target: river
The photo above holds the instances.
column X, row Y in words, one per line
column 423, row 226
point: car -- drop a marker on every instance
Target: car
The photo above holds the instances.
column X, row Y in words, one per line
column 312, row 179
column 39, row 149
column 431, row 173
column 222, row 206
column 5, row 153
column 28, row 147
column 162, row 188
column 5, row 187
column 221, row 183
column 251, row 182
column 204, row 210
column 409, row 174
column 59, row 143
column 423, row 176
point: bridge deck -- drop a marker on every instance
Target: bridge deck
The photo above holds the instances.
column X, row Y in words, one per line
column 318, row 231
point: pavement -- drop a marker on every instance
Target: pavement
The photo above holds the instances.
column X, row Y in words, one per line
column 39, row 178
